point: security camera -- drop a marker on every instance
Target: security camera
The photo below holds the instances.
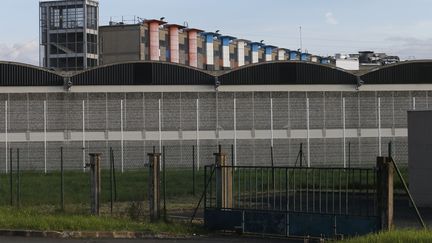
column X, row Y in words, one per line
column 217, row 84
column 68, row 84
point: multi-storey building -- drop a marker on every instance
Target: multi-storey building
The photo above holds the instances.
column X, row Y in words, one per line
column 69, row 34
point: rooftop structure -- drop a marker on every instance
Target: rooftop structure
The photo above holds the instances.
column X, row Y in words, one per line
column 69, row 34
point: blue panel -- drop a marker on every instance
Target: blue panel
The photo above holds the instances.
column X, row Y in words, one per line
column 265, row 223
column 254, row 47
column 225, row 41
column 355, row 225
column 209, row 38
column 217, row 219
column 293, row 55
column 268, row 50
column 311, row 224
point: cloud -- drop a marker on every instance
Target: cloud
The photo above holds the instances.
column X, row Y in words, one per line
column 330, row 18
column 410, row 47
column 25, row 52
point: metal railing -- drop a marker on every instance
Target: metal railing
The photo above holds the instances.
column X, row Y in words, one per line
column 338, row 191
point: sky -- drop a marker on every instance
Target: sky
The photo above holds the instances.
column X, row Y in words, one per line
column 396, row 27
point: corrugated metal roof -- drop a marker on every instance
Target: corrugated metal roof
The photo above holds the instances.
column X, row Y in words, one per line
column 165, row 73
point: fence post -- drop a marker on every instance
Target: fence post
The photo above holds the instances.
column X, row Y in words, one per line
column 61, row 180
column 224, row 194
column 385, row 192
column 111, row 181
column 95, row 180
column 165, row 183
column 154, row 186
column 11, row 176
column 193, row 170
column 18, row 186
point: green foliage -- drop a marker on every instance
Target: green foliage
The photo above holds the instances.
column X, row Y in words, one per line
column 30, row 219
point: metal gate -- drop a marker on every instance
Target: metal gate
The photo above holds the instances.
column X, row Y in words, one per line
column 292, row 201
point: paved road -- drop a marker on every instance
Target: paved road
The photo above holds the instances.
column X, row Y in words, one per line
column 205, row 240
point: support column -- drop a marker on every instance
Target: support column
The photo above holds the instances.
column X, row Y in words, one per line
column 153, row 26
column 95, row 182
column 268, row 52
column 173, row 30
column 193, row 46
column 385, row 192
column 254, row 51
column 226, row 60
column 224, row 194
column 154, row 185
column 241, row 52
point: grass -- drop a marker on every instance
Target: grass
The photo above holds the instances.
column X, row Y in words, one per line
column 396, row 236
column 30, row 219
column 38, row 189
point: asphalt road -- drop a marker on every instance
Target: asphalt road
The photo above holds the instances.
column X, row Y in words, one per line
column 205, row 240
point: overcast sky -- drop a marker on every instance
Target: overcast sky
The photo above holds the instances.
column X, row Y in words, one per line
column 397, row 27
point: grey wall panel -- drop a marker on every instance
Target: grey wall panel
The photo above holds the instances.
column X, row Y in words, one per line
column 280, row 110
column 97, row 112
column 262, row 113
column 114, row 111
column 35, row 114
column 351, row 109
column 387, row 104
column 189, row 111
column 134, row 112
column 56, row 112
column 17, row 112
column 207, row 111
column 333, row 106
column 297, row 105
column 403, row 102
column 368, row 110
column 421, row 99
column 171, row 113
column 316, row 110
column 245, row 110
column 226, row 111
column 152, row 111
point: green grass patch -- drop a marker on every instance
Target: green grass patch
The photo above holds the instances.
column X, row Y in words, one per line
column 29, row 219
column 396, row 236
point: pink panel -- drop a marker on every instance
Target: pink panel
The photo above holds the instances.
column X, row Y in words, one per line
column 193, row 52
column 154, row 41
column 174, row 44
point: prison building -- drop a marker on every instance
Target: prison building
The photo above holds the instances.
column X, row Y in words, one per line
column 69, row 34
column 340, row 119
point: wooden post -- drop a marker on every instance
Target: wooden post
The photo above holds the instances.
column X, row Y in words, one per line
column 154, row 186
column 95, row 180
column 385, row 192
column 224, row 195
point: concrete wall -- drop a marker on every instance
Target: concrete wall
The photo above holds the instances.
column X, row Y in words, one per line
column 104, row 127
column 121, row 43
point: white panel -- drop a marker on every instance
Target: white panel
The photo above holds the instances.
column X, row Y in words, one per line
column 281, row 55
column 255, row 57
column 226, row 56
column 210, row 54
column 240, row 53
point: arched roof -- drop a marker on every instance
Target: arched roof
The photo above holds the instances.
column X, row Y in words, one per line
column 143, row 73
column 19, row 74
column 287, row 72
column 165, row 73
column 412, row 72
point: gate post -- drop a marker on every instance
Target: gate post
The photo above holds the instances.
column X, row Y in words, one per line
column 95, row 182
column 224, row 195
column 154, row 185
column 385, row 192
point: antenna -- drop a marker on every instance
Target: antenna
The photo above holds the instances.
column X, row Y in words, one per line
column 186, row 24
column 301, row 40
